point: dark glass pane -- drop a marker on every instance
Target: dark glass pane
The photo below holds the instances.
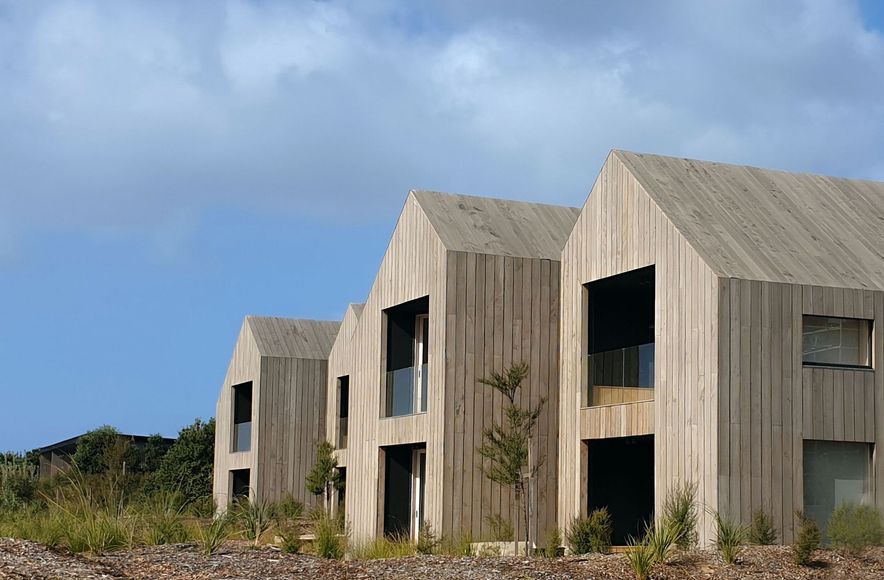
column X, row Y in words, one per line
column 829, row 340
column 400, row 392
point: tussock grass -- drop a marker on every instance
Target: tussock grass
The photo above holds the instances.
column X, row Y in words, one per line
column 382, row 548
column 330, row 538
column 641, row 558
column 729, row 538
column 210, row 537
column 680, row 511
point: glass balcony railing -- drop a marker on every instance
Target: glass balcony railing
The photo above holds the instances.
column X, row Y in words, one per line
column 342, row 432
column 424, row 379
column 623, row 375
column 242, row 436
column 404, row 389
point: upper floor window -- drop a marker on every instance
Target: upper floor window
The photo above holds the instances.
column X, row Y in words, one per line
column 343, row 410
column 407, row 358
column 620, row 350
column 831, row 341
column 242, row 417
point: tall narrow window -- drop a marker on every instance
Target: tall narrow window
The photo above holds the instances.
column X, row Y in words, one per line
column 343, row 410
column 342, row 492
column 422, row 330
column 242, row 417
column 407, row 356
column 831, row 341
column 419, row 473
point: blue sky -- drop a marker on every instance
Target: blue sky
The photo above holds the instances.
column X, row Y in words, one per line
column 169, row 167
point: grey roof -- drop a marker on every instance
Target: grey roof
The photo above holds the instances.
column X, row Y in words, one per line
column 770, row 225
column 487, row 225
column 293, row 337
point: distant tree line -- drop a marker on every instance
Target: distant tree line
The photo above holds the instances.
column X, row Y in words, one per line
column 111, row 465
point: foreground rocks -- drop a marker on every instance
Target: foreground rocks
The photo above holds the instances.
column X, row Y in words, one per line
column 22, row 559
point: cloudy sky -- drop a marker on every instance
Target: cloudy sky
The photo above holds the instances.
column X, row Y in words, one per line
column 168, row 167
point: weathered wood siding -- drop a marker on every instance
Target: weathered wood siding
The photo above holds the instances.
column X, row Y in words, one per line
column 339, row 365
column 485, row 312
column 245, row 365
column 621, row 229
column 770, row 403
column 288, row 417
column 413, row 267
column 499, row 311
column 291, row 419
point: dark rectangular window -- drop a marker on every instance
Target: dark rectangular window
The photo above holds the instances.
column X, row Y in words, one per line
column 620, row 357
column 831, row 341
column 835, row 473
column 240, row 483
column 407, row 355
column 343, row 410
column 342, row 492
column 242, row 417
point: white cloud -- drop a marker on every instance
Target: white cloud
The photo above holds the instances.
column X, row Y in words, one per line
column 134, row 116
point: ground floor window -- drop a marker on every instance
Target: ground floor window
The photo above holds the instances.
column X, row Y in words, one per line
column 240, row 483
column 835, row 472
column 621, row 478
column 405, row 468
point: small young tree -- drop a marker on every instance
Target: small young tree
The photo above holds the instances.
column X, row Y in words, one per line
column 507, row 445
column 324, row 477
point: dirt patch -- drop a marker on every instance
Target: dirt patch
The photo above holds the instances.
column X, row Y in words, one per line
column 21, row 559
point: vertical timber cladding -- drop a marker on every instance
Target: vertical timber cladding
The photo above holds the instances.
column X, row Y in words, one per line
column 291, row 421
column 413, row 267
column 285, row 360
column 500, row 311
column 245, row 365
column 620, row 229
column 339, row 365
column 487, row 309
column 770, row 403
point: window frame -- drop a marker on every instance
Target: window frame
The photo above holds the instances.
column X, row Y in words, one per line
column 870, row 344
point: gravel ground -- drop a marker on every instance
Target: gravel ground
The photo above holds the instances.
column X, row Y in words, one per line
column 21, row 559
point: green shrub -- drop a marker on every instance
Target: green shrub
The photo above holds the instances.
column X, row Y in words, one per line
column 762, row 531
column 187, row 466
column 680, row 510
column 854, row 528
column 210, row 537
column 807, row 541
column 641, row 558
column 18, row 482
column 288, row 509
column 457, row 545
column 427, row 541
column 501, row 528
column 661, row 539
column 329, row 538
column 291, row 538
column 553, row 548
column 729, row 538
column 592, row 534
